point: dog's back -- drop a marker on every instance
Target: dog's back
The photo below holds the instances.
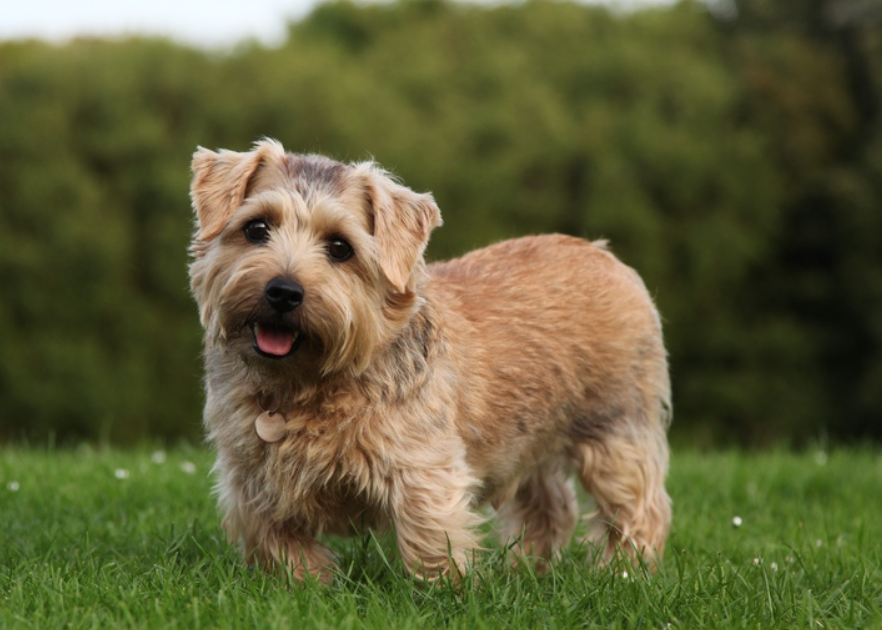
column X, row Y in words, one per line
column 552, row 317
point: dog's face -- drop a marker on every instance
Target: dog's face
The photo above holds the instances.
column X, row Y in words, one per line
column 303, row 266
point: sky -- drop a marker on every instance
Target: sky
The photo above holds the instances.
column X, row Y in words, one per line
column 206, row 23
column 210, row 23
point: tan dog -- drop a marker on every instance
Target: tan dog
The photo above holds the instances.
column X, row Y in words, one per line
column 350, row 386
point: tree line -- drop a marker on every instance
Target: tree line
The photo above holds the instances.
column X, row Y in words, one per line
column 731, row 152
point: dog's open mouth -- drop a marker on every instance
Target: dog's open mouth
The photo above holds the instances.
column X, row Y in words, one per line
column 275, row 341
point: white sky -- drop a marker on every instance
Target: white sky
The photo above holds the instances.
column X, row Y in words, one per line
column 211, row 23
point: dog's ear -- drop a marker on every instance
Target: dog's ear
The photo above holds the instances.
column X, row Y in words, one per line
column 403, row 221
column 220, row 183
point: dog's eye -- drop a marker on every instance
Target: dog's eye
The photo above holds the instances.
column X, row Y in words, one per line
column 257, row 231
column 339, row 250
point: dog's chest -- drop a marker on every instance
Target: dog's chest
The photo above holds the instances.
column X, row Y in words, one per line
column 328, row 468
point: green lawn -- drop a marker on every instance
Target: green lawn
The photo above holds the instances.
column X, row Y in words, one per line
column 107, row 538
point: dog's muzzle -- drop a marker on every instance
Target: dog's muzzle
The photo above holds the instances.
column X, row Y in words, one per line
column 276, row 338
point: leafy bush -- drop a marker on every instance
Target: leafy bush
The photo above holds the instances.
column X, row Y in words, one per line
column 702, row 146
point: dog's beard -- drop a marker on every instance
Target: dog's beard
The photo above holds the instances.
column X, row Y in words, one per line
column 336, row 330
column 267, row 338
column 301, row 346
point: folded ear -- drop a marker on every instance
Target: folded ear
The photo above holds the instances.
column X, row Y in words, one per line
column 220, row 183
column 403, row 221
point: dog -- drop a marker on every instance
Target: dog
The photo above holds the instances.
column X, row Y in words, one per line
column 351, row 386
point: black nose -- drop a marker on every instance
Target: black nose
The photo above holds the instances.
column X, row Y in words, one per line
column 283, row 295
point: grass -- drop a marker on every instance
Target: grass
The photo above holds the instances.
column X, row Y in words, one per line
column 114, row 539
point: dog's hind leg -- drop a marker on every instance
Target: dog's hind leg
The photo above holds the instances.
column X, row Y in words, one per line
column 625, row 473
column 541, row 516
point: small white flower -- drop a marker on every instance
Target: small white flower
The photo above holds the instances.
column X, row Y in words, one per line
column 819, row 543
column 773, row 566
column 121, row 473
column 757, row 561
column 158, row 457
column 736, row 521
column 13, row 486
column 790, row 559
column 625, row 574
column 188, row 467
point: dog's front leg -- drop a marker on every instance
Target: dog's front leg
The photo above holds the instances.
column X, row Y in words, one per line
column 303, row 555
column 434, row 522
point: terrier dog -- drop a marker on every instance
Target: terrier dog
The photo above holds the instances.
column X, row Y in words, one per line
column 349, row 385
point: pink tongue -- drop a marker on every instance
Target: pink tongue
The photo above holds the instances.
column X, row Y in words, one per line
column 277, row 342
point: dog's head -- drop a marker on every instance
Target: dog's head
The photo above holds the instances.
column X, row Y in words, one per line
column 302, row 265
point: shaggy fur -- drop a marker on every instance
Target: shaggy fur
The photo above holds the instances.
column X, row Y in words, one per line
column 414, row 395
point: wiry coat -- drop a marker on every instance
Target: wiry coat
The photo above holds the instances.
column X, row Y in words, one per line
column 419, row 393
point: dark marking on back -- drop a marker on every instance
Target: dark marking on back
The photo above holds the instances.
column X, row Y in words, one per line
column 595, row 425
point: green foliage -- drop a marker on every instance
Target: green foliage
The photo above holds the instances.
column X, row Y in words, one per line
column 699, row 143
column 94, row 146
column 106, row 538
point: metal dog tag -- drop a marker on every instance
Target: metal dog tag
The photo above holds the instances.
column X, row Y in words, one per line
column 270, row 427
